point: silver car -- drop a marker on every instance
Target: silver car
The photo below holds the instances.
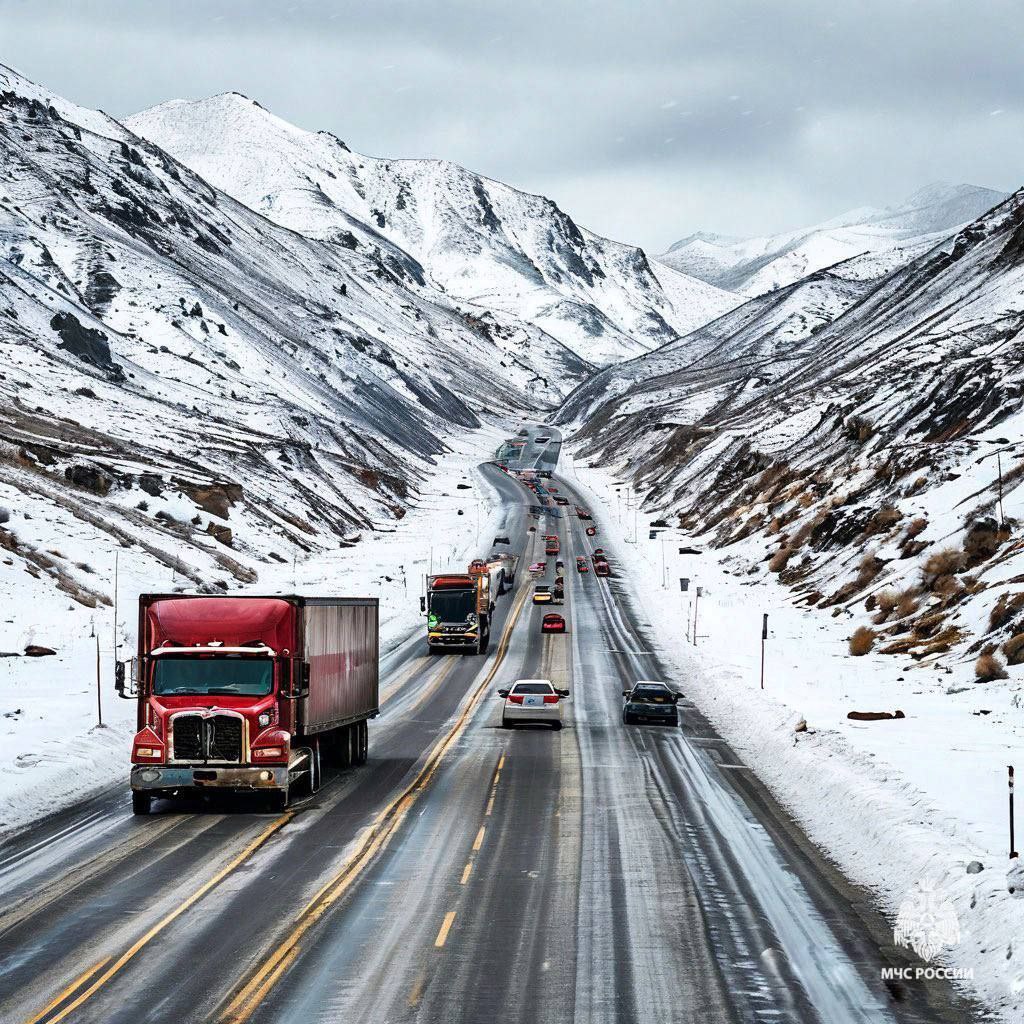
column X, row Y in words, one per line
column 532, row 700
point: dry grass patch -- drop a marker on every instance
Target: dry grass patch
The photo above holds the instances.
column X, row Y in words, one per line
column 862, row 641
column 780, row 560
column 915, row 528
column 1013, row 649
column 941, row 564
column 988, row 668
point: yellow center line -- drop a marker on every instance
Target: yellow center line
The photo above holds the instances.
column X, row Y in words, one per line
column 165, row 921
column 490, row 807
column 417, row 991
column 446, row 927
column 479, row 841
column 369, row 844
column 466, row 872
column 79, row 981
column 501, row 762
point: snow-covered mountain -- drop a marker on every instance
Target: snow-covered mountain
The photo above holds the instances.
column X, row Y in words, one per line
column 843, row 434
column 897, row 234
column 487, row 245
column 185, row 377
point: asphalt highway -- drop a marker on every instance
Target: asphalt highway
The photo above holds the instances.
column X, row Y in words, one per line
column 466, row 873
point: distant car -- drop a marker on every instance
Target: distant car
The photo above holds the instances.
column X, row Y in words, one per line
column 591, row 531
column 559, row 500
column 532, row 700
column 523, row 433
column 541, row 595
column 502, row 540
column 581, row 565
column 602, row 568
column 553, row 490
column 598, row 551
column 541, row 440
column 650, row 701
column 552, row 623
column 582, row 513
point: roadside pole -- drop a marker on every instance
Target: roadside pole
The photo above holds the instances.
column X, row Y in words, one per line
column 1013, row 847
column 99, row 696
column 696, row 602
column 764, row 636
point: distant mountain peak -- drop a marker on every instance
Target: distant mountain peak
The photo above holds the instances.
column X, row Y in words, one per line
column 755, row 266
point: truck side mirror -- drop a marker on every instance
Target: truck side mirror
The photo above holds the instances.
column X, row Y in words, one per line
column 126, row 685
column 423, row 605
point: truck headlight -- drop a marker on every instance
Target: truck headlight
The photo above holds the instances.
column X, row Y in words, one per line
column 264, row 719
column 471, row 619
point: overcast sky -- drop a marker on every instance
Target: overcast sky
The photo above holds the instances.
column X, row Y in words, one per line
column 645, row 121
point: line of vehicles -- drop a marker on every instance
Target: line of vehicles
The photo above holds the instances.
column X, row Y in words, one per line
column 260, row 694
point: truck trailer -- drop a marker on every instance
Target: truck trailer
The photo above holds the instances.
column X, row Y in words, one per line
column 249, row 694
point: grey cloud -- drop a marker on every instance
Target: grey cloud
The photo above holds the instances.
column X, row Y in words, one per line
column 646, row 121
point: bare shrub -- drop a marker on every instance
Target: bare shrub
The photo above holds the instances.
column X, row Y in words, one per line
column 887, row 601
column 862, row 641
column 884, row 519
column 780, row 560
column 868, row 568
column 983, row 540
column 939, row 564
column 1005, row 608
column 907, row 603
column 987, row 668
column 1014, row 649
column 915, row 528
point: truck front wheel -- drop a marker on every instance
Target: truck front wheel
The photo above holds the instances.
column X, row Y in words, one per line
column 141, row 803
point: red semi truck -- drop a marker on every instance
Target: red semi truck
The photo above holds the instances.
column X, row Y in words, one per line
column 249, row 693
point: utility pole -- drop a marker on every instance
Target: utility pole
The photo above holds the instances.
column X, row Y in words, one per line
column 696, row 602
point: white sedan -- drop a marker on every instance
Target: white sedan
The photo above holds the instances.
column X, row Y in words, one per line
column 532, row 700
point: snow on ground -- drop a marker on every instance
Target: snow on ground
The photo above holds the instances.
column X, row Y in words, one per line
column 52, row 751
column 893, row 803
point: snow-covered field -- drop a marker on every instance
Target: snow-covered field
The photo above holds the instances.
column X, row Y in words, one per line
column 895, row 803
column 52, row 750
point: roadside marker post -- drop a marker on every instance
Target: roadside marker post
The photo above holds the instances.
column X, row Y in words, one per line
column 764, row 637
column 1013, row 847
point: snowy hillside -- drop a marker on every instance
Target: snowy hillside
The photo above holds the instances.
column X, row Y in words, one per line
column 486, row 244
column 220, row 394
column 852, row 452
column 754, row 266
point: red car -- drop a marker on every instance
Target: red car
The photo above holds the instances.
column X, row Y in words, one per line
column 552, row 623
column 581, row 565
column 591, row 531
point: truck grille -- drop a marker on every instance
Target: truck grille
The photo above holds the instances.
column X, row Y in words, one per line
column 207, row 739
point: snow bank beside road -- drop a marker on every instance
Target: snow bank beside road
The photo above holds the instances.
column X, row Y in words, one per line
column 894, row 803
column 54, row 754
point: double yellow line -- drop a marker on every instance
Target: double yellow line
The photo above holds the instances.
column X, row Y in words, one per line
column 372, row 841
column 80, row 990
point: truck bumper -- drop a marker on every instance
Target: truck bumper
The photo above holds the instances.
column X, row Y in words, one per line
column 453, row 640
column 158, row 778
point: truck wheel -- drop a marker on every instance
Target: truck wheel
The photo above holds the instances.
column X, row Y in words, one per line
column 346, row 745
column 141, row 803
column 362, row 732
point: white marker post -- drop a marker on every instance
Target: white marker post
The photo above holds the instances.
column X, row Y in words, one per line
column 764, row 636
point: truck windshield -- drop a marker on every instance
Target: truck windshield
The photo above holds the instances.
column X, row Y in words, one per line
column 452, row 605
column 242, row 675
